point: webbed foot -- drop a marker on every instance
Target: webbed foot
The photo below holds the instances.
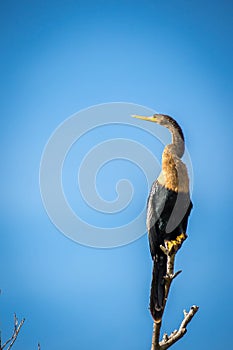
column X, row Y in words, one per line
column 174, row 245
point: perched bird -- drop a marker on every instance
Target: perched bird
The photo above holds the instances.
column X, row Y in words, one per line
column 168, row 209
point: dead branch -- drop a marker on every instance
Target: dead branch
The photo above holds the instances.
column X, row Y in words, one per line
column 10, row 342
column 176, row 335
column 168, row 341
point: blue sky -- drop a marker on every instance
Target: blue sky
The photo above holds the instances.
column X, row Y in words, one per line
column 60, row 57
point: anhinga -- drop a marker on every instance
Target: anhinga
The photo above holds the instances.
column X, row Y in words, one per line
column 168, row 209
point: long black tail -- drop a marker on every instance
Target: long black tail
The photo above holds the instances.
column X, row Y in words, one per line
column 157, row 291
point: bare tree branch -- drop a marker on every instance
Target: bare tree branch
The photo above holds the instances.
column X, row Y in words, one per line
column 168, row 341
column 176, row 335
column 17, row 327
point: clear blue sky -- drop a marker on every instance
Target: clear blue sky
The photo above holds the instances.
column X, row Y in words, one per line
column 58, row 57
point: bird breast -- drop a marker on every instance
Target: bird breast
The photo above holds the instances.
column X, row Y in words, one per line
column 174, row 175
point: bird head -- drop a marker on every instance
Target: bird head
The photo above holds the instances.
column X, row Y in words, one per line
column 164, row 120
column 160, row 119
column 177, row 145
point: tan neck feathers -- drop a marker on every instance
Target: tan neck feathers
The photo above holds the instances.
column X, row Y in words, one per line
column 174, row 175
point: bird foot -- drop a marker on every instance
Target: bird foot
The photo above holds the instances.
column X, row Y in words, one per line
column 174, row 245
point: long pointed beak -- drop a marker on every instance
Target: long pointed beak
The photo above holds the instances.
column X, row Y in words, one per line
column 149, row 119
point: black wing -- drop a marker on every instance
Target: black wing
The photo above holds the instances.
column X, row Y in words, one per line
column 167, row 215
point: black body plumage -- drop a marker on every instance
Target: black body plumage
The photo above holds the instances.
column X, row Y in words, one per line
column 164, row 205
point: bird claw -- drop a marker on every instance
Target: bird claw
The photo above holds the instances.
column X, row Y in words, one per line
column 174, row 245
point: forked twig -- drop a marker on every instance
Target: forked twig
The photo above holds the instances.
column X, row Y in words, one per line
column 176, row 335
column 17, row 326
